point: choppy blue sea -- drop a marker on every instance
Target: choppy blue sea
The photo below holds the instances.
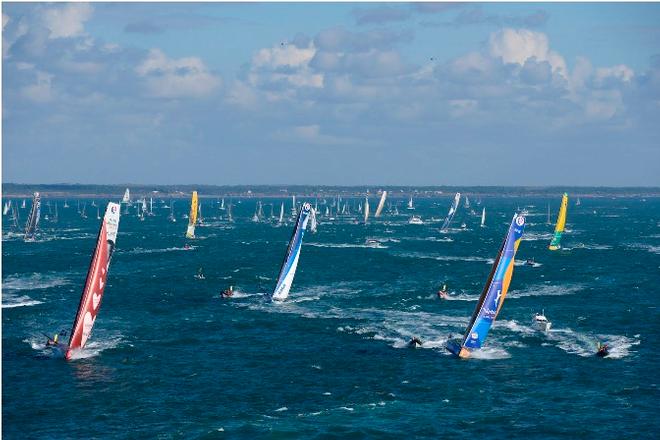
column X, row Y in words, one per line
column 169, row 358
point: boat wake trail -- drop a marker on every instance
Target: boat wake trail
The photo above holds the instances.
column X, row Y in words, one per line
column 585, row 344
column 546, row 290
column 36, row 281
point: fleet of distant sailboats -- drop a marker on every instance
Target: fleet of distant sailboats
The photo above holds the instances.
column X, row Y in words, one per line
column 486, row 311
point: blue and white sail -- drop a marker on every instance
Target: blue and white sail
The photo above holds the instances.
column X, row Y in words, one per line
column 452, row 212
column 492, row 297
column 288, row 270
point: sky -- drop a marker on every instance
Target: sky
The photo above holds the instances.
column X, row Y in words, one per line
column 523, row 94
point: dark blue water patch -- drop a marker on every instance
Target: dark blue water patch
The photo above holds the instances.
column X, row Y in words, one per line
column 170, row 358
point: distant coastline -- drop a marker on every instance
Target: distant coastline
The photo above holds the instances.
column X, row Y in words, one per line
column 278, row 191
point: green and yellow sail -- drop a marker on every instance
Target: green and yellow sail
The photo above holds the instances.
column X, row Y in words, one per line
column 192, row 219
column 561, row 222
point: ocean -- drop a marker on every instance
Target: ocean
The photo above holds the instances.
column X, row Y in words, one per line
column 170, row 358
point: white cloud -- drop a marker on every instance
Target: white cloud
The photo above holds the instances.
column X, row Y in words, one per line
column 310, row 134
column 285, row 63
column 41, row 91
column 518, row 45
column 620, row 72
column 67, row 20
column 176, row 78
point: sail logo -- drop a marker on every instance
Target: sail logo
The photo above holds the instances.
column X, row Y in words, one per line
column 474, row 335
column 520, row 220
column 307, row 207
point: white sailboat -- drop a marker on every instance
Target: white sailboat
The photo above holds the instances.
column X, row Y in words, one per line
column 410, row 204
column 280, row 220
column 171, row 216
column 381, row 204
column 222, row 204
column 127, row 197
column 415, row 220
column 483, row 217
column 5, row 210
column 366, row 210
column 294, row 211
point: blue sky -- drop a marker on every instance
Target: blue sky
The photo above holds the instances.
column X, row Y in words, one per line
column 347, row 93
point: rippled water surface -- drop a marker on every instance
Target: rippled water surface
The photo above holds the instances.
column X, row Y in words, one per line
column 169, row 358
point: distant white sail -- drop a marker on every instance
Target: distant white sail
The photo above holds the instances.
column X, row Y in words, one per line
column 222, row 204
column 280, row 220
column 366, row 210
column 452, row 212
column 410, row 204
column 33, row 218
column 6, row 208
column 290, row 263
column 483, row 217
column 312, row 221
column 381, row 204
column 294, row 211
column 127, row 197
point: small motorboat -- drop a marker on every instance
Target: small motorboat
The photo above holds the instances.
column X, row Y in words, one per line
column 415, row 342
column 603, row 350
column 541, row 322
column 442, row 293
column 530, row 262
column 463, row 226
column 228, row 293
column 415, row 220
column 372, row 242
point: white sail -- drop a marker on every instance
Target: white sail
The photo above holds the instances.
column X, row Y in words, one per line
column 281, row 219
column 290, row 263
column 366, row 210
column 6, row 208
column 294, row 211
column 312, row 221
column 483, row 217
column 127, row 196
column 452, row 212
column 410, row 204
column 222, row 204
column 381, row 204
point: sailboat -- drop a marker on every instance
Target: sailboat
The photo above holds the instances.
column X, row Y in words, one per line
column 366, row 210
column 381, row 204
column 255, row 217
column 290, row 263
column 14, row 215
column 82, row 213
column 33, row 218
column 452, row 212
column 66, row 204
column 294, row 210
column 95, row 283
column 171, row 216
column 222, row 204
column 192, row 219
column 410, row 204
column 98, row 213
column 23, row 204
column 467, row 202
column 492, row 297
column 127, row 197
column 280, row 220
column 230, row 218
column 578, row 202
column 56, row 218
column 548, row 220
column 483, row 217
column 200, row 219
column 6, row 208
column 559, row 226
column 313, row 225
column 151, row 207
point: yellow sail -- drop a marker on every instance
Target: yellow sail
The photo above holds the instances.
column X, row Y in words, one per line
column 561, row 222
column 192, row 219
